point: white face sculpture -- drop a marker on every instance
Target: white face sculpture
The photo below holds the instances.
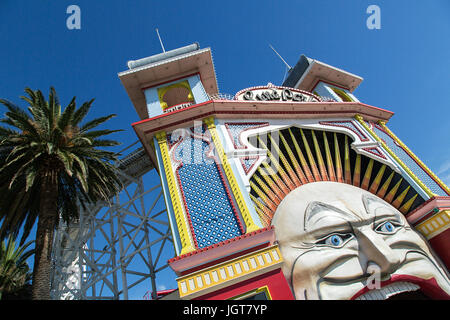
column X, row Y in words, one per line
column 342, row 242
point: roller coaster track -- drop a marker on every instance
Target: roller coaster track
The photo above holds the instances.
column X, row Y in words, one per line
column 116, row 249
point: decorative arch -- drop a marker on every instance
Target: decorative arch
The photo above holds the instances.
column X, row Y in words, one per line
column 175, row 94
column 297, row 156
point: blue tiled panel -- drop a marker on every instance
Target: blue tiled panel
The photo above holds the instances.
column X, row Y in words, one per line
column 408, row 161
column 212, row 216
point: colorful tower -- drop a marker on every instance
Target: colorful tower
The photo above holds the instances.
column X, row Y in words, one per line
column 235, row 170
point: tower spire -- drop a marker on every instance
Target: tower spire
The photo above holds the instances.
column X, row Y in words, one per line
column 287, row 65
column 160, row 41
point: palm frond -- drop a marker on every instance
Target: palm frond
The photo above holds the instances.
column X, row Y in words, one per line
column 81, row 113
column 96, row 122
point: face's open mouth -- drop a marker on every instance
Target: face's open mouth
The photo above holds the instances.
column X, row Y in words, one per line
column 403, row 288
column 391, row 291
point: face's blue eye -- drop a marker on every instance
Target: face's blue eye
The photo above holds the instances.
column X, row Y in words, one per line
column 386, row 227
column 335, row 240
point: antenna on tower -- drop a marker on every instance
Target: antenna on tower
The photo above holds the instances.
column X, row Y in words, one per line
column 287, row 65
column 160, row 41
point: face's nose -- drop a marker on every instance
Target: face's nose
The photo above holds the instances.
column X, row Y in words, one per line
column 377, row 250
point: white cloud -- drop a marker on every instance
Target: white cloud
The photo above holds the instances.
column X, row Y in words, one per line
column 446, row 179
column 161, row 287
column 444, row 172
column 444, row 168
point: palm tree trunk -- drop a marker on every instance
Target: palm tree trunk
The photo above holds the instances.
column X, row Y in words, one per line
column 48, row 214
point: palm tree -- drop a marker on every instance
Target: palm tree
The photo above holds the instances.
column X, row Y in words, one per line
column 51, row 164
column 14, row 270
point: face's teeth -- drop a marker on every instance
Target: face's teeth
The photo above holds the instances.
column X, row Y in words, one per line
column 388, row 291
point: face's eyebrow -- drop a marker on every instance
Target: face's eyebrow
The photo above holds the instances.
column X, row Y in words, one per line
column 317, row 208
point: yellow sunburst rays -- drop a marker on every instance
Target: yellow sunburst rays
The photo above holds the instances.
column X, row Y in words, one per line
column 312, row 162
column 321, row 163
column 268, row 191
column 331, row 173
column 263, row 196
column 294, row 179
column 347, row 167
column 303, row 162
column 357, row 171
column 278, row 167
column 398, row 201
column 277, row 180
column 263, row 212
column 384, row 188
column 388, row 194
column 376, row 182
column 366, row 179
column 337, row 156
column 297, row 168
column 271, row 183
column 408, row 204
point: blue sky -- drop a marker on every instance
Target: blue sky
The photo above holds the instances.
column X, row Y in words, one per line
column 405, row 64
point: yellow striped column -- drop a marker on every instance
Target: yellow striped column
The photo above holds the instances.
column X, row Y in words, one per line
column 187, row 243
column 249, row 223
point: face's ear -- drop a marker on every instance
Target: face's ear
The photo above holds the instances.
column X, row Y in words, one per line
column 374, row 206
column 312, row 209
column 371, row 203
column 316, row 207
